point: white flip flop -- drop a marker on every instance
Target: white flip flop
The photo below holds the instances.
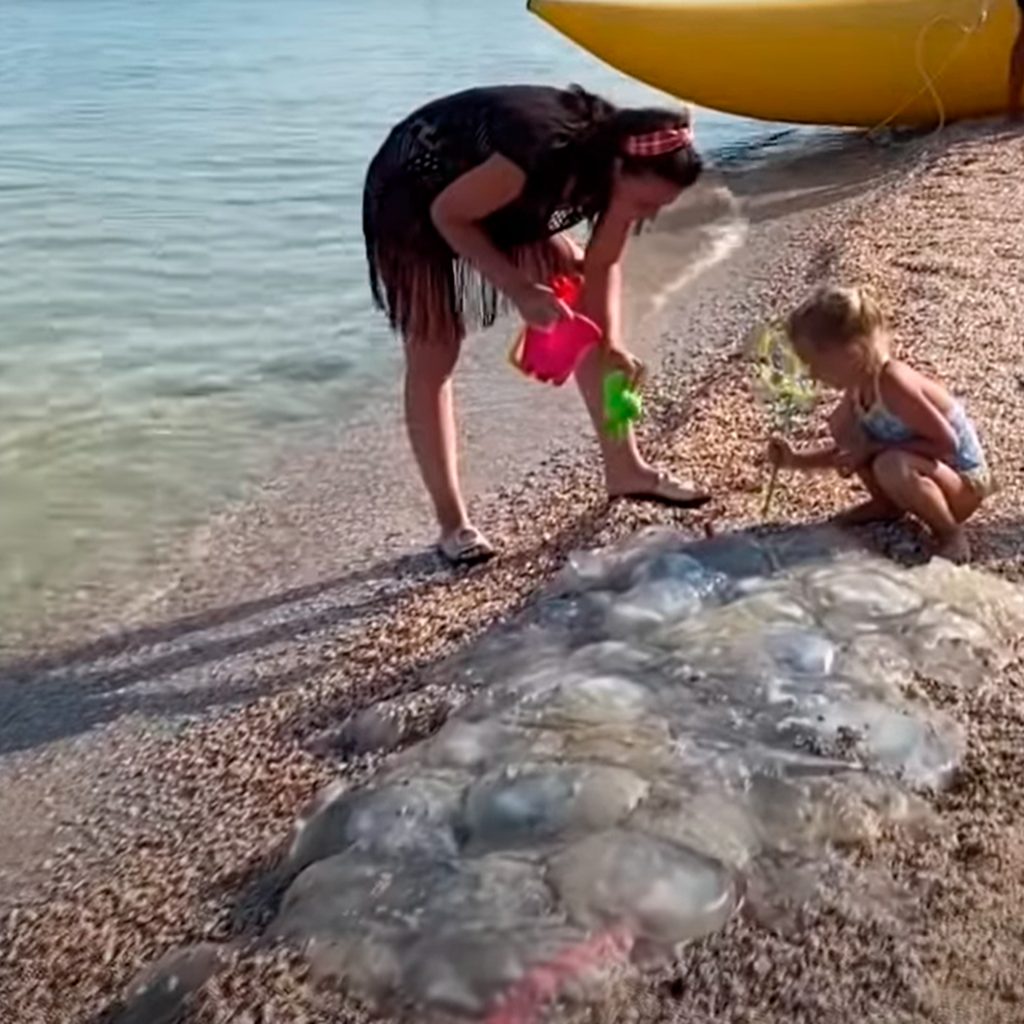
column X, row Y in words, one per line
column 465, row 546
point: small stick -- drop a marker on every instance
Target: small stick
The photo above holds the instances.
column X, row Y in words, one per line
column 769, row 491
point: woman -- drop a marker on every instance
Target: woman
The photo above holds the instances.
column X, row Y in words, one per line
column 463, row 211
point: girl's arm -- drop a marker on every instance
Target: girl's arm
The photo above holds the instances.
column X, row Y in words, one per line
column 457, row 213
column 810, row 459
column 902, row 393
column 782, row 454
column 843, row 425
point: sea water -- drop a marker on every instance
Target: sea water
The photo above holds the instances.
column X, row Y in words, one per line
column 182, row 286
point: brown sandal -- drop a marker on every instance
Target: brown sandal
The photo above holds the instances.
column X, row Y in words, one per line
column 670, row 493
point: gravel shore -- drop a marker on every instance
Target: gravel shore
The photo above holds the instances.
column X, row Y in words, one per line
column 163, row 832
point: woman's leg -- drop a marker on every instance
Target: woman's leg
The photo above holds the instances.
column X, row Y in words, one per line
column 625, row 470
column 932, row 491
column 430, row 422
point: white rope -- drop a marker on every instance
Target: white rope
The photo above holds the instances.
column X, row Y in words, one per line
column 916, row 161
column 968, row 31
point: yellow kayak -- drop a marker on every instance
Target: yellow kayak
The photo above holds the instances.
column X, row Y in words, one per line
column 864, row 63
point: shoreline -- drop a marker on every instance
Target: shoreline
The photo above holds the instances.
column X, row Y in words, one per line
column 307, row 665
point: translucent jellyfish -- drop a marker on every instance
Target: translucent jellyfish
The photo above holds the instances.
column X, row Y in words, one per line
column 593, row 698
column 473, row 745
column 645, row 747
column 801, row 651
column 467, row 971
column 720, row 631
column 525, row 807
column 858, row 596
column 453, row 934
column 801, row 546
column 652, row 604
column 735, row 557
column 714, row 820
column 590, row 570
column 924, row 749
column 939, row 629
column 352, row 915
column 414, row 817
column 669, row 894
column 611, row 657
column 678, row 567
column 682, row 724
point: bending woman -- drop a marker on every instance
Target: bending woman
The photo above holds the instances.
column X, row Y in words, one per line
column 464, row 210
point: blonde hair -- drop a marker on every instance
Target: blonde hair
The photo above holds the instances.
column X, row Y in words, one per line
column 833, row 317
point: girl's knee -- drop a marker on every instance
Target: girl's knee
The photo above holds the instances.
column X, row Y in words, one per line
column 891, row 467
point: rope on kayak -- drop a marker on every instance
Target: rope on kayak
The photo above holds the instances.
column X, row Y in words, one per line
column 968, row 31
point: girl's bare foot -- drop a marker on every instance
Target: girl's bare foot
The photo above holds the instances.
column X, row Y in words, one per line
column 954, row 547
column 874, row 510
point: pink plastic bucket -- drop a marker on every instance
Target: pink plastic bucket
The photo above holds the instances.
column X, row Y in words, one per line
column 551, row 356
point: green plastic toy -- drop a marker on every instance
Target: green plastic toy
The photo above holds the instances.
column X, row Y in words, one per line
column 623, row 405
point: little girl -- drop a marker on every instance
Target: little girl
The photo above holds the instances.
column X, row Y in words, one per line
column 910, row 442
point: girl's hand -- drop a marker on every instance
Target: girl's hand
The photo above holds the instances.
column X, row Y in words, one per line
column 540, row 307
column 854, row 457
column 780, row 453
column 617, row 358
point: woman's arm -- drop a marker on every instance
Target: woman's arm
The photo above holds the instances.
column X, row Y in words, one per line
column 601, row 298
column 457, row 213
column 902, row 392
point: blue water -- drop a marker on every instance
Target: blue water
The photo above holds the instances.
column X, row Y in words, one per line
column 182, row 290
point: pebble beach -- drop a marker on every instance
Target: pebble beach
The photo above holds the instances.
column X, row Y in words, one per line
column 150, row 778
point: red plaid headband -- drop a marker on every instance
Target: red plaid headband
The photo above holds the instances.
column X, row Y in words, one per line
column 667, row 140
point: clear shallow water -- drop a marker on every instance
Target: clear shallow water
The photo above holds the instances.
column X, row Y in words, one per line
column 182, row 290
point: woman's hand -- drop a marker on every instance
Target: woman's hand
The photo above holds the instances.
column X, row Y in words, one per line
column 539, row 306
column 618, row 358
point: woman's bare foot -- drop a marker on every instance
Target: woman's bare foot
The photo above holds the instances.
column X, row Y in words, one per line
column 874, row 510
column 658, row 487
column 954, row 547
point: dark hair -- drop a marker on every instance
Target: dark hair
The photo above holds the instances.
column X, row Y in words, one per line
column 596, row 150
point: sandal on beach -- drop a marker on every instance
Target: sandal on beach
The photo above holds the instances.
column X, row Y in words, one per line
column 465, row 546
column 669, row 492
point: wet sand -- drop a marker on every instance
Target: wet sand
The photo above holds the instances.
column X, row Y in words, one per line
column 157, row 771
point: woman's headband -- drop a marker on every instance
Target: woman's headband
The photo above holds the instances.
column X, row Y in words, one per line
column 667, row 140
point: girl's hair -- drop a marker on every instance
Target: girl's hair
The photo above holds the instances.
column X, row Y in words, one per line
column 595, row 149
column 833, row 318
